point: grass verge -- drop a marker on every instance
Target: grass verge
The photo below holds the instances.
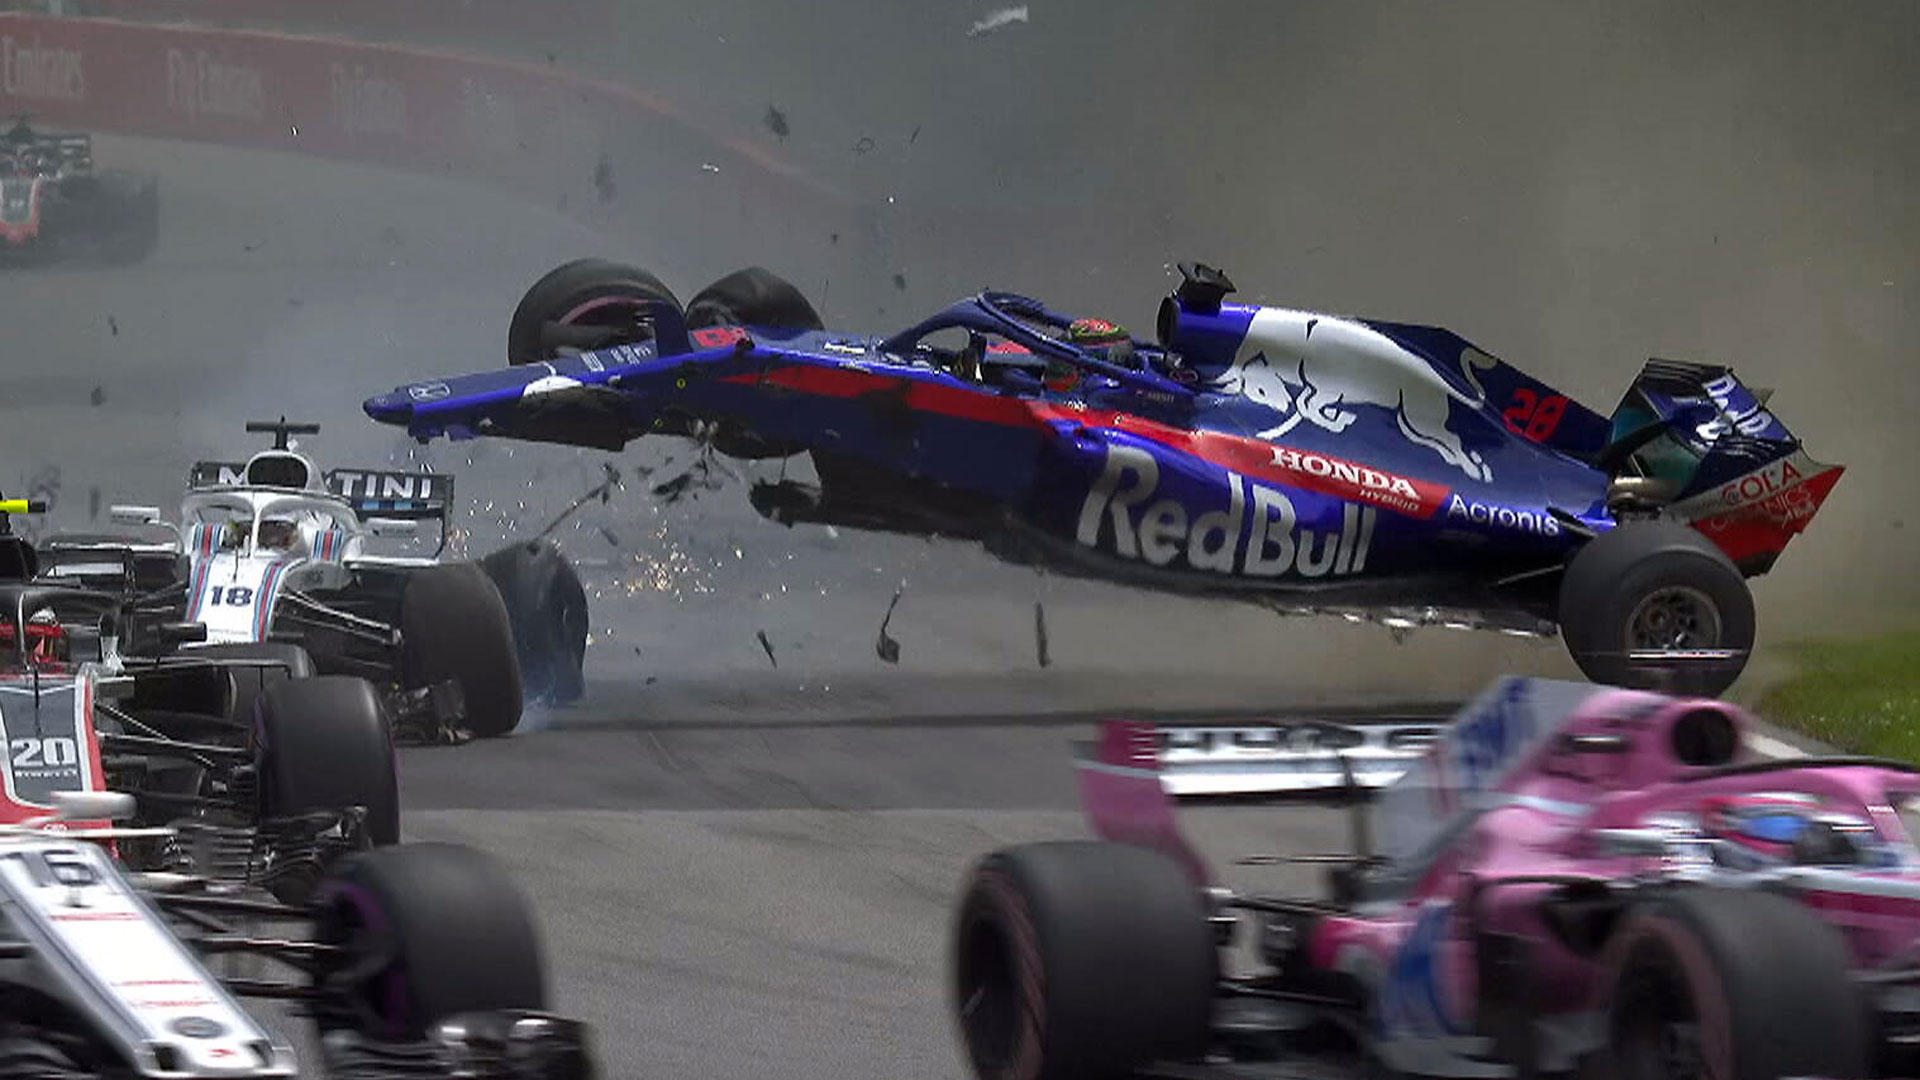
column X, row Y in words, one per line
column 1860, row 695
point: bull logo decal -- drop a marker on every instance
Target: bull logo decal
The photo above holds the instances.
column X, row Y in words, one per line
column 1319, row 370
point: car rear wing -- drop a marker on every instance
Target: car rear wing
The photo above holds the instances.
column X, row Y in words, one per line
column 109, row 563
column 1291, row 756
column 1129, row 776
column 1710, row 452
column 403, row 496
column 379, row 496
column 217, row 474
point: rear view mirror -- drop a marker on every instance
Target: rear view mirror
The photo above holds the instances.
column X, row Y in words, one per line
column 134, row 515
column 393, row 528
column 92, row 805
column 1596, row 744
column 84, row 645
column 182, row 633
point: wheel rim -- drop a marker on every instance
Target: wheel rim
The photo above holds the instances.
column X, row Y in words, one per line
column 987, row 1000
column 1674, row 618
column 614, row 312
column 1657, row 1030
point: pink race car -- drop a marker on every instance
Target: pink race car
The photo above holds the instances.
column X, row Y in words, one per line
column 1573, row 880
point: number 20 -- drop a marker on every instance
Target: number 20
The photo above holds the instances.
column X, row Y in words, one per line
column 54, row 752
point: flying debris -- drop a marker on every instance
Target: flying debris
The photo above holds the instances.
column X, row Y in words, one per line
column 776, row 121
column 999, row 18
column 1040, row 633
column 767, row 645
column 611, row 480
column 887, row 648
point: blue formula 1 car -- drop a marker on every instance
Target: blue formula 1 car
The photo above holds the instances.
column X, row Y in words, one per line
column 1311, row 462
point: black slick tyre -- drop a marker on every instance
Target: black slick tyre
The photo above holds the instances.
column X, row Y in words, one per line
column 427, row 932
column 324, row 744
column 1732, row 984
column 1656, row 585
column 753, row 297
column 264, row 664
column 1081, row 961
column 547, row 607
column 454, row 626
column 587, row 303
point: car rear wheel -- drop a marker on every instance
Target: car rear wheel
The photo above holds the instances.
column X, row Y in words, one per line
column 1736, row 985
column 1081, row 961
column 548, row 609
column 584, row 304
column 424, row 932
column 753, row 297
column 454, row 626
column 253, row 667
column 1654, row 587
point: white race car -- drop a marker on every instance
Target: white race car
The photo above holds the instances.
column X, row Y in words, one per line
column 419, row 960
column 272, row 556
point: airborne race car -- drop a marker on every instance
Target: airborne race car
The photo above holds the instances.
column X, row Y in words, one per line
column 275, row 565
column 1573, row 877
column 54, row 203
column 1310, row 462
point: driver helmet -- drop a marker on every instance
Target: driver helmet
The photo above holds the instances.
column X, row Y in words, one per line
column 1789, row 827
column 1095, row 333
column 1109, row 339
column 279, row 533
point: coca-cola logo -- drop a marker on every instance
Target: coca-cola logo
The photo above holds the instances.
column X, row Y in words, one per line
column 1762, row 483
column 37, row 72
column 200, row 84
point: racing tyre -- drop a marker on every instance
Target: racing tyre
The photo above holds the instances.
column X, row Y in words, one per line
column 1732, row 984
column 454, row 625
column 548, row 609
column 1081, row 961
column 324, row 744
column 585, row 304
column 269, row 663
column 1656, row 585
column 429, row 931
column 133, row 223
column 753, row 297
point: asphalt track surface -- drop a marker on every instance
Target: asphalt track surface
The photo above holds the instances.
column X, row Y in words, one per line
column 744, row 863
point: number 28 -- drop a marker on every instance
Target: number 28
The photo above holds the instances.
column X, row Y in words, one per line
column 1536, row 416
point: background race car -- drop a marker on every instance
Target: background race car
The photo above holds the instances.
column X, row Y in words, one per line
column 259, row 778
column 111, row 972
column 1310, row 462
column 55, row 204
column 271, row 555
column 1574, row 880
